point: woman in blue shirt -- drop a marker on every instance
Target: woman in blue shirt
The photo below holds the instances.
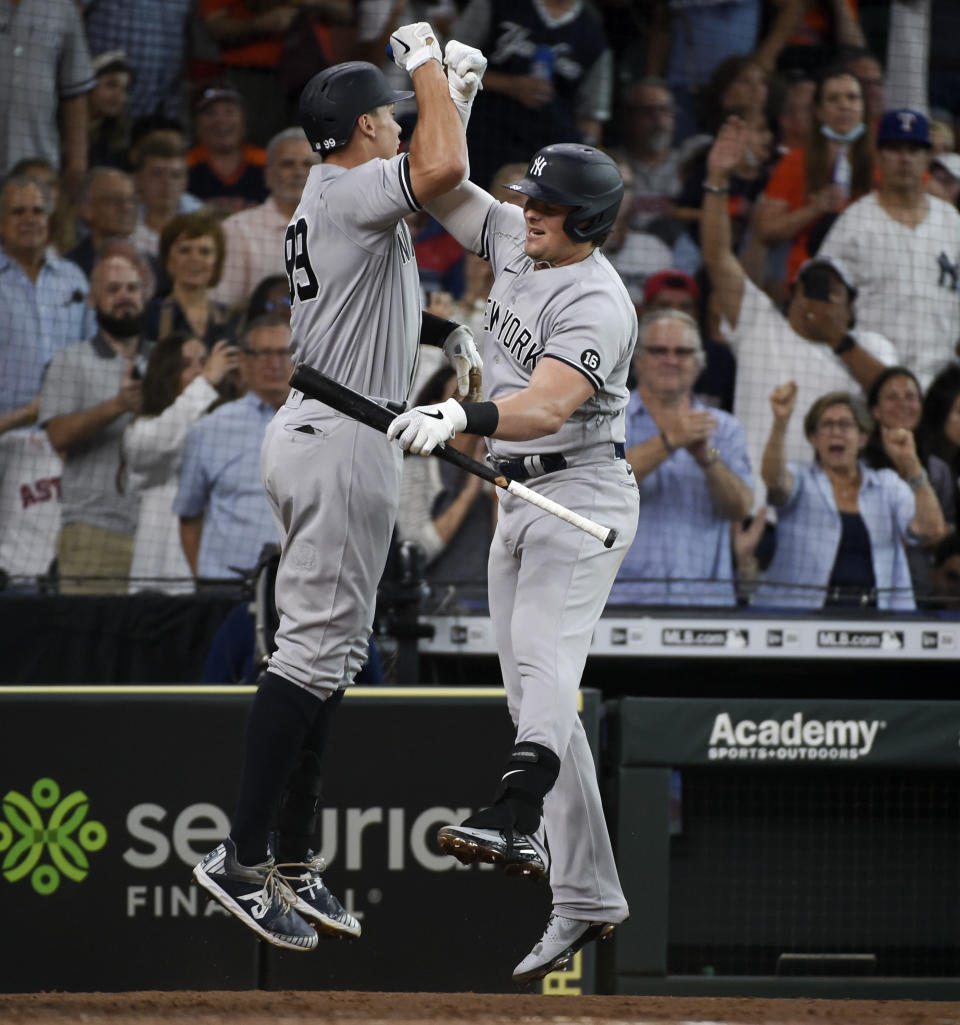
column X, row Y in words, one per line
column 841, row 525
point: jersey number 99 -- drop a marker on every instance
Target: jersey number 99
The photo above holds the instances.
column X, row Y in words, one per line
column 297, row 259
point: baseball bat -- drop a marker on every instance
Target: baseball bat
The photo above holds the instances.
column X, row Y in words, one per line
column 316, row 385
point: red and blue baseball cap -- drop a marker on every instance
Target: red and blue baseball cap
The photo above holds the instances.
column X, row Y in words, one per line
column 903, row 126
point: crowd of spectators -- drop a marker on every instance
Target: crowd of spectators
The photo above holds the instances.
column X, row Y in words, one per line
column 790, row 236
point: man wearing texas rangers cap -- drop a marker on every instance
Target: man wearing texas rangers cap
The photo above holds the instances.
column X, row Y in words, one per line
column 902, row 248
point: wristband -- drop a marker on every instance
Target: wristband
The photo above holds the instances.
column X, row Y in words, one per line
column 666, row 444
column 845, row 345
column 482, row 418
column 435, row 330
column 717, row 190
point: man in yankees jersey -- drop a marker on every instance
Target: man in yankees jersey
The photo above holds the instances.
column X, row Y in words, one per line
column 332, row 482
column 559, row 334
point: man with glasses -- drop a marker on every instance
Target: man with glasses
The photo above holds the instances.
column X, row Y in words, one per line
column 692, row 469
column 108, row 208
column 814, row 344
column 225, row 519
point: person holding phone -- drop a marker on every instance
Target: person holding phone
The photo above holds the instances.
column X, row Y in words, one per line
column 180, row 384
column 815, row 342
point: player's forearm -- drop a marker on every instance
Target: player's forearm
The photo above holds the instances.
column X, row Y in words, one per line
column 463, row 212
column 438, row 147
column 544, row 406
column 523, row 418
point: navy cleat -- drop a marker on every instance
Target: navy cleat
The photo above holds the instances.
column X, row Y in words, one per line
column 257, row 895
column 315, row 902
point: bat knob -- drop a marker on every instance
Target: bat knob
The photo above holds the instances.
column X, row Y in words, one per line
column 610, row 538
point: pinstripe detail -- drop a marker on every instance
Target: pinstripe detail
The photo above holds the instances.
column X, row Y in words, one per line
column 592, row 378
column 405, row 183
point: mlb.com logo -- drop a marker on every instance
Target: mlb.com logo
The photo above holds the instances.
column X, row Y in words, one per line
column 46, row 824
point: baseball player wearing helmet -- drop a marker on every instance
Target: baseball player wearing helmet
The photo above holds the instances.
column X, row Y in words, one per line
column 332, row 482
column 559, row 333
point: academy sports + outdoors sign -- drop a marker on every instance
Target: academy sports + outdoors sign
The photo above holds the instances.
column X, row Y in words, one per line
column 756, row 731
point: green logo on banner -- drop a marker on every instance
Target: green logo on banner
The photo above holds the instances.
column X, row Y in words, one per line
column 25, row 836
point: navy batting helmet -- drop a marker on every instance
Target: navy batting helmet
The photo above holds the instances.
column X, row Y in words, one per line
column 569, row 174
column 332, row 101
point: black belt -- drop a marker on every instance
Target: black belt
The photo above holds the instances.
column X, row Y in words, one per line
column 550, row 462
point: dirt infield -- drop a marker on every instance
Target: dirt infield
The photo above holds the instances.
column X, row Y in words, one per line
column 291, row 1008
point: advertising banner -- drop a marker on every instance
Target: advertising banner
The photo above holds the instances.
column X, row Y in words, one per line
column 783, row 732
column 109, row 800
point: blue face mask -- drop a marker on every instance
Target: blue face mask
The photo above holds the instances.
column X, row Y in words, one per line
column 844, row 138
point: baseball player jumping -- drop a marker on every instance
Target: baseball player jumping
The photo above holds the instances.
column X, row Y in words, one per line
column 559, row 333
column 333, row 483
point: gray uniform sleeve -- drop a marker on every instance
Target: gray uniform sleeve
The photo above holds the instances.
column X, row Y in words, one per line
column 501, row 241
column 585, row 338
column 374, row 196
column 463, row 213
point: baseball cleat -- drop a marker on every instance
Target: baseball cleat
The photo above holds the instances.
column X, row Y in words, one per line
column 562, row 938
column 257, row 895
column 315, row 902
column 519, row 854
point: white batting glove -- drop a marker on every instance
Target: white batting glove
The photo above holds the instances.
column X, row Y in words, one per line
column 413, row 45
column 463, row 355
column 465, row 68
column 422, row 428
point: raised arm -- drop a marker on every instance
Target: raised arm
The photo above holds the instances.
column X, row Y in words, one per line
column 438, row 147
column 776, row 476
column 928, row 523
column 463, row 213
column 726, row 273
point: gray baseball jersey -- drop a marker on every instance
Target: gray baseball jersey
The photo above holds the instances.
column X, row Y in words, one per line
column 333, row 483
column 353, row 276
column 548, row 581
column 580, row 314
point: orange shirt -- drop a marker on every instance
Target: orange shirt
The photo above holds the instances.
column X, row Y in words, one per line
column 816, row 25
column 265, row 52
column 788, row 183
column 259, row 53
